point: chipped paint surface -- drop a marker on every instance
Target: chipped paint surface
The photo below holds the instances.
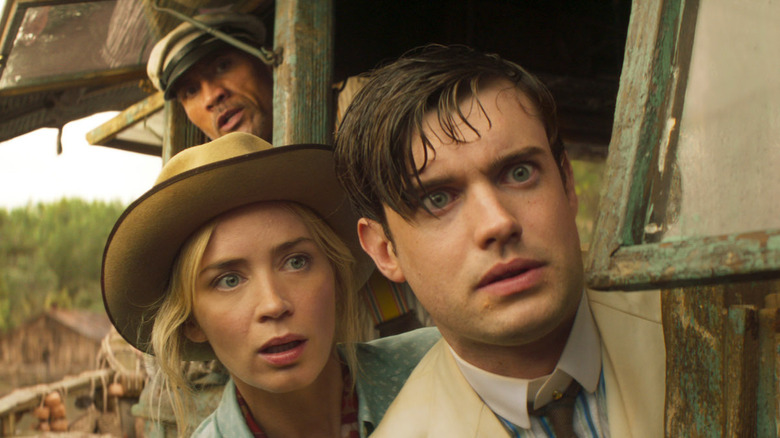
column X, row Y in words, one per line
column 702, row 260
column 303, row 34
column 692, row 322
column 699, row 245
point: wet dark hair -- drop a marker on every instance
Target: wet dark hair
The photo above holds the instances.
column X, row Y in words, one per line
column 373, row 145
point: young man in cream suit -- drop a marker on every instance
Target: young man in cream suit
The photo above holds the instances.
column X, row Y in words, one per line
column 454, row 161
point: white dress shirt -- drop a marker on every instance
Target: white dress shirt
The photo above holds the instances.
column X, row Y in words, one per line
column 509, row 397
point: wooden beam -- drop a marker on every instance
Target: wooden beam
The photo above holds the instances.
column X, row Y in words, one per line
column 25, row 399
column 691, row 261
column 125, row 119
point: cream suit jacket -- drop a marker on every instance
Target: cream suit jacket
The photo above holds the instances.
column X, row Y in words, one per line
column 438, row 402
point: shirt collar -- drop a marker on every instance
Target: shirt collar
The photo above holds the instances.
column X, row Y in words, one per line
column 509, row 397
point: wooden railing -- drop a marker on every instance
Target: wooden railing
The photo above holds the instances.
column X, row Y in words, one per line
column 26, row 399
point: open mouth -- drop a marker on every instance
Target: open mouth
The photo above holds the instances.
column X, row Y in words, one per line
column 506, row 275
column 227, row 121
column 281, row 348
column 509, row 271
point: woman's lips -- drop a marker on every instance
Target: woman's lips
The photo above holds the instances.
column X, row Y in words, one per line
column 281, row 348
column 283, row 352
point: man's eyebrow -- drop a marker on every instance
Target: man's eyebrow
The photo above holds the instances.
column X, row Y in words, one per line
column 524, row 154
column 495, row 166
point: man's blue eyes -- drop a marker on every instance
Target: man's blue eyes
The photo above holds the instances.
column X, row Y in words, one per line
column 438, row 199
column 521, row 173
column 441, row 198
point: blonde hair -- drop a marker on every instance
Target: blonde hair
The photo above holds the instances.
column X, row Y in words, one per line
column 175, row 309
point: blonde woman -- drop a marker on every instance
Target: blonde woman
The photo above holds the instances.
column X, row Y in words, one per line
column 248, row 254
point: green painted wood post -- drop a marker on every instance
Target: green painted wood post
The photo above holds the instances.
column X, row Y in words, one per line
column 769, row 366
column 741, row 376
column 303, row 33
column 693, row 321
column 179, row 132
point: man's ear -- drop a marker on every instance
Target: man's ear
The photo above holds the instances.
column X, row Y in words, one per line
column 376, row 243
column 571, row 192
column 193, row 332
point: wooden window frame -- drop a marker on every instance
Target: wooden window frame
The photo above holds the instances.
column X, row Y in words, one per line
column 641, row 153
column 13, row 16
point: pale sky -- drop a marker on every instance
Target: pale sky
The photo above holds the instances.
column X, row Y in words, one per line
column 31, row 171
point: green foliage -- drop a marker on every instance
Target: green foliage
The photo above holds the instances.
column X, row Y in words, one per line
column 50, row 255
column 587, row 177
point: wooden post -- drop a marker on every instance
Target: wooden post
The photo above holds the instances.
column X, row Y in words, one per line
column 741, row 377
column 721, row 361
column 767, row 392
column 693, row 320
column 180, row 133
column 303, row 34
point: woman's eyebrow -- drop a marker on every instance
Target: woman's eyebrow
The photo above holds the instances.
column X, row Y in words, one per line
column 221, row 265
column 291, row 244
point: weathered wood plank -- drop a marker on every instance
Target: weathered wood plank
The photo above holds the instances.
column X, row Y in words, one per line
column 694, row 260
column 693, row 321
column 767, row 391
column 303, row 33
column 28, row 398
column 639, row 172
column 130, row 116
column 179, row 133
column 741, row 377
column 633, row 95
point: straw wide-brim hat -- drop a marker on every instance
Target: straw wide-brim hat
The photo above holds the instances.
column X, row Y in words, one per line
column 195, row 186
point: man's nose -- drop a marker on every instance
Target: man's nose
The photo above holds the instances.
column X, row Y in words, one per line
column 214, row 93
column 495, row 223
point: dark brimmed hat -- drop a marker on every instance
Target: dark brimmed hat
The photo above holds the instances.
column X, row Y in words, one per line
column 185, row 45
column 195, row 186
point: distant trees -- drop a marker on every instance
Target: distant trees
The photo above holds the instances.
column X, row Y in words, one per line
column 51, row 254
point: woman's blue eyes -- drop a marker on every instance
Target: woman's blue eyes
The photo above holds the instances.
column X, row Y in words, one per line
column 298, row 262
column 228, row 281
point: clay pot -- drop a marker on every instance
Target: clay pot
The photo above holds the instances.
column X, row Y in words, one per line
column 116, row 389
column 52, row 399
column 44, row 426
column 58, row 411
column 60, row 425
column 42, row 413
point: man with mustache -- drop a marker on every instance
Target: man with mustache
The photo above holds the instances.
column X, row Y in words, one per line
column 221, row 88
column 454, row 161
column 224, row 89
